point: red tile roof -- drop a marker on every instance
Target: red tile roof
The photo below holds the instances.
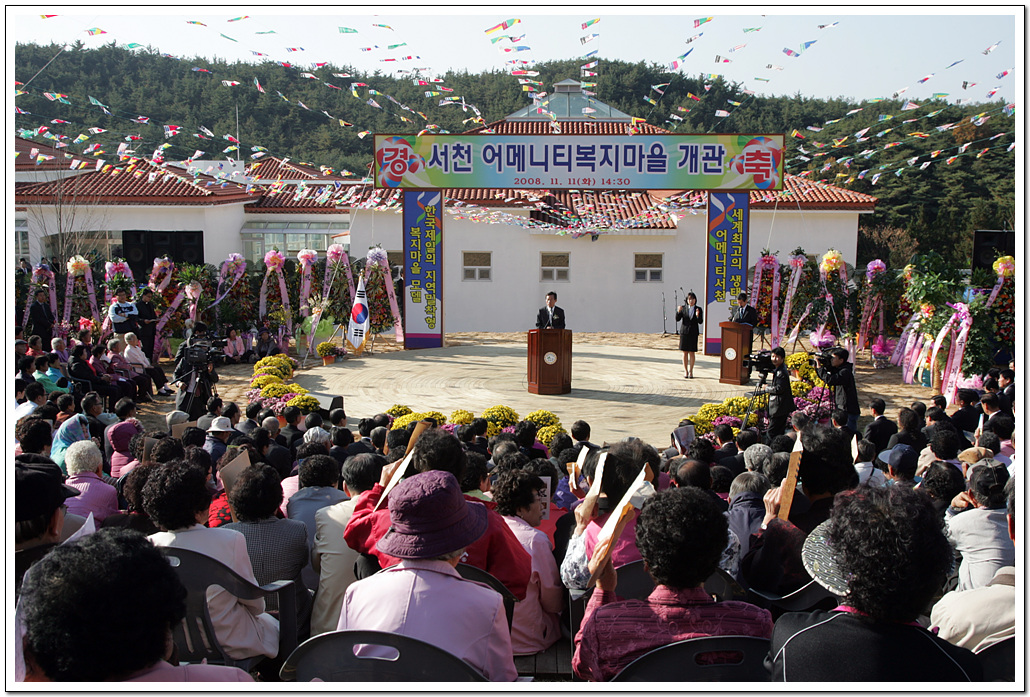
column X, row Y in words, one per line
column 275, row 169
column 61, row 157
column 576, row 128
column 137, row 182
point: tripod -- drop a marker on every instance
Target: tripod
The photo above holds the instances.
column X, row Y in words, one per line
column 751, row 404
column 203, row 381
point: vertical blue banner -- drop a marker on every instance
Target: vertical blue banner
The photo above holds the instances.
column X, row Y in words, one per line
column 726, row 267
column 423, row 269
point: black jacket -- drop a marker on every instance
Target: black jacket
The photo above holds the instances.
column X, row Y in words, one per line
column 781, row 400
column 556, row 321
column 744, row 315
column 842, row 380
column 879, row 432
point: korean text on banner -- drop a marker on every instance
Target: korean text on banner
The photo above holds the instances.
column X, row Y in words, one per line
column 423, row 269
column 726, row 268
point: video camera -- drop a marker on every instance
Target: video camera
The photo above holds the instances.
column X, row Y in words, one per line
column 761, row 361
column 204, row 351
column 820, row 359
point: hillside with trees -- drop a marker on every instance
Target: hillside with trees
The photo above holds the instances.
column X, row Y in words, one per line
column 939, row 170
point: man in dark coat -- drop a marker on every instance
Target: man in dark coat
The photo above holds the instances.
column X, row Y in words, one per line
column 41, row 318
column 781, row 400
column 841, row 378
column 550, row 316
column 880, row 430
column 146, row 321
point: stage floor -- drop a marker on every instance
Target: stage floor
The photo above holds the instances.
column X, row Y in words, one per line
column 619, row 391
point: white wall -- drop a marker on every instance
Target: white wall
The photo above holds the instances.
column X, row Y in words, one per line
column 601, row 294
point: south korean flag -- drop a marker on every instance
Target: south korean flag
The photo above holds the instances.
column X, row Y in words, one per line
column 357, row 329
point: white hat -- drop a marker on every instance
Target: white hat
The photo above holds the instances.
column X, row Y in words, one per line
column 220, row 424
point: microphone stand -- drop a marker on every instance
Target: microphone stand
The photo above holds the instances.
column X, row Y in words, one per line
column 665, row 318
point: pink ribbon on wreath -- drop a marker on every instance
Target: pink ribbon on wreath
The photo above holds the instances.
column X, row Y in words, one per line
column 41, row 273
column 797, row 267
column 336, row 255
column 69, row 288
column 775, row 330
column 112, row 269
column 263, row 300
column 797, row 327
column 235, row 265
column 953, row 368
column 160, row 270
column 995, row 290
column 307, row 259
column 159, row 336
column 381, row 260
column 92, row 294
column 764, row 262
column 901, row 350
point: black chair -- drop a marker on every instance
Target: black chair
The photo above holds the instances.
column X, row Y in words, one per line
column 677, row 662
column 810, row 596
column 195, row 637
column 724, row 587
column 331, row 657
column 999, row 661
column 473, row 573
column 634, row 583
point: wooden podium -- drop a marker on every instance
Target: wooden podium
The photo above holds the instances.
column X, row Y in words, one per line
column 549, row 368
column 736, row 344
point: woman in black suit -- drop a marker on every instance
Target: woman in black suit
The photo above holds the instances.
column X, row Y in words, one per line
column 691, row 317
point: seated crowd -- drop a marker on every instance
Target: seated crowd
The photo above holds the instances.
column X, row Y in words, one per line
column 912, row 539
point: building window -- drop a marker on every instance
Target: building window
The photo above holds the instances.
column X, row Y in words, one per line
column 289, row 237
column 647, row 268
column 475, row 266
column 554, row 266
column 21, row 237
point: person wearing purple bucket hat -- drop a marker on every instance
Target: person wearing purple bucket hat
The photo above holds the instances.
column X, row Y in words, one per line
column 423, row 596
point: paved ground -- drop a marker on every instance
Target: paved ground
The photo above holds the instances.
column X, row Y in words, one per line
column 619, row 391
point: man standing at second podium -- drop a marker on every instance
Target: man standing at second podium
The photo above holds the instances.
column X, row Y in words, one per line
column 550, row 316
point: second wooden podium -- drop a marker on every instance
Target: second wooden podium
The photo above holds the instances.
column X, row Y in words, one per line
column 549, row 368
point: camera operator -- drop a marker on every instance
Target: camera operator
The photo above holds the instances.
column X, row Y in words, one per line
column 781, row 399
column 195, row 372
column 841, row 377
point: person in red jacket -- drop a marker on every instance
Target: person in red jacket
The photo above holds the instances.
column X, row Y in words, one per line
column 498, row 552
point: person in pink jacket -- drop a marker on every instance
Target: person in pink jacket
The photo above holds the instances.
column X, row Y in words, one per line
column 424, row 597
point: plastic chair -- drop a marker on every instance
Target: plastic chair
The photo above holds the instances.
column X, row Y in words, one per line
column 634, row 583
column 473, row 573
column 195, row 636
column 724, row 587
column 808, row 597
column 677, row 662
column 331, row 657
column 999, row 661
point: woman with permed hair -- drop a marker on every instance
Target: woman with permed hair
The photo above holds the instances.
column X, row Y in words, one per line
column 72, row 631
column 176, row 498
column 884, row 552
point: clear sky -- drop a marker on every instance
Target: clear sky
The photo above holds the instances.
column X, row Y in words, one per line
column 869, row 52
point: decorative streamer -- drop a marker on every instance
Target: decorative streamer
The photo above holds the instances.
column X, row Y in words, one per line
column 274, row 261
column 797, row 327
column 193, row 292
column 962, row 323
column 872, row 302
column 112, row 269
column 768, row 261
column 337, row 255
column 1004, row 267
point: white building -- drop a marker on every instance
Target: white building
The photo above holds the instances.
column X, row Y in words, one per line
column 609, row 276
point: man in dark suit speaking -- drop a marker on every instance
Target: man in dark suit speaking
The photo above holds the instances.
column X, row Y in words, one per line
column 744, row 313
column 550, row 316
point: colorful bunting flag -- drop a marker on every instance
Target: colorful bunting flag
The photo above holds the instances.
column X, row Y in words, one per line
column 95, row 31
column 792, row 54
column 259, row 87
column 228, row 37
column 230, row 83
column 383, row 26
column 991, row 48
column 703, row 20
column 805, row 46
column 347, row 30
column 721, row 114
column 587, row 39
column 591, row 22
column 237, row 19
column 506, row 24
column 828, row 26
column 694, row 37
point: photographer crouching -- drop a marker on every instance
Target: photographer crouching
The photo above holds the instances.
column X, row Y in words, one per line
column 833, row 369
column 781, row 399
column 195, row 371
